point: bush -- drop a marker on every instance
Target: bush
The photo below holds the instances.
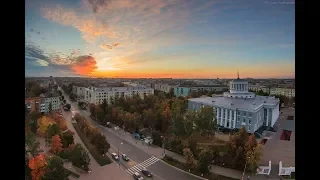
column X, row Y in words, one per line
column 156, row 136
column 175, row 145
column 63, row 155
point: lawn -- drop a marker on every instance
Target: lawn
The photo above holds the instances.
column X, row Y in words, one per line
column 73, row 173
column 101, row 160
column 210, row 176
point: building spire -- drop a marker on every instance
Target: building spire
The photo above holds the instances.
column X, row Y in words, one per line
column 238, row 74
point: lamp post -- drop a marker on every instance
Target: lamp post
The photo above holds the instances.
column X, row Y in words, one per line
column 163, row 143
column 119, row 153
column 244, row 170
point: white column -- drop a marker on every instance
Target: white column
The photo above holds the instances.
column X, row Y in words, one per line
column 226, row 117
column 235, row 119
column 267, row 117
column 230, row 118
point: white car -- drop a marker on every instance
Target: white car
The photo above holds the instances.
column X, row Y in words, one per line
column 115, row 156
column 137, row 176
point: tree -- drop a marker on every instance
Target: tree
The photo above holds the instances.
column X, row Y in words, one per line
column 92, row 108
column 56, row 145
column 238, row 140
column 61, row 122
column 37, row 165
column 52, row 130
column 66, row 139
column 80, row 157
column 43, row 124
column 205, row 158
column 205, row 122
column 167, row 116
column 99, row 115
column 253, row 157
column 55, row 170
column 190, row 161
column 50, row 107
column 189, row 119
column 32, row 121
column 240, row 159
column 101, row 143
column 251, row 143
column 192, row 145
column 31, row 143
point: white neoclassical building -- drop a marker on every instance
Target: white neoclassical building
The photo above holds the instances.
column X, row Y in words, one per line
column 238, row 107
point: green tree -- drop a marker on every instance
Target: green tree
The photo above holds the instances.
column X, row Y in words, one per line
column 92, row 109
column 239, row 159
column 192, row 145
column 52, row 130
column 189, row 119
column 253, row 157
column 32, row 121
column 79, row 157
column 205, row 158
column 32, row 145
column 50, row 107
column 205, row 122
column 99, row 115
column 190, row 161
column 101, row 143
column 66, row 139
column 55, row 170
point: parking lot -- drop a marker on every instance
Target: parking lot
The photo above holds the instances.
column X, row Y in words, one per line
column 281, row 146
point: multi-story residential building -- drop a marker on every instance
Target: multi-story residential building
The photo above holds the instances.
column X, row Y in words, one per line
column 185, row 90
column 258, row 88
column 79, row 91
column 48, row 98
column 288, row 92
column 33, row 104
column 238, row 108
column 97, row 95
column 164, row 87
column 132, row 84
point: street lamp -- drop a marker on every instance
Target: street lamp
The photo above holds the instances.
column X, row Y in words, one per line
column 245, row 166
column 119, row 153
column 164, row 150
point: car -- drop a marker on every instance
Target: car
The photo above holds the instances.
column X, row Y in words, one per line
column 146, row 173
column 125, row 157
column 137, row 176
column 115, row 156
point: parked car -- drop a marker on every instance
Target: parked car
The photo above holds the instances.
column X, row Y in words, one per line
column 137, row 176
column 125, row 157
column 115, row 156
column 108, row 124
column 146, row 173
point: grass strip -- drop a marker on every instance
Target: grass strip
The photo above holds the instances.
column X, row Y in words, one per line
column 101, row 160
column 180, row 165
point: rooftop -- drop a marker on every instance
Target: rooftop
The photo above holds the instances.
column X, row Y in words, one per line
column 121, row 88
column 237, row 103
column 214, row 85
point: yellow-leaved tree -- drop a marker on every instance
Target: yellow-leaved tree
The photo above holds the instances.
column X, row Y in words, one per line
column 43, row 124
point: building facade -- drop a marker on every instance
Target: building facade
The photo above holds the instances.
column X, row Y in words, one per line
column 258, row 88
column 79, row 91
column 288, row 92
column 97, row 95
column 186, row 90
column 164, row 87
column 238, row 108
column 33, row 104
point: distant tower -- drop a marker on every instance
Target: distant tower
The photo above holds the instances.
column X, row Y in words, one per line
column 238, row 74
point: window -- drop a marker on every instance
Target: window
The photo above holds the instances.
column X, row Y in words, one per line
column 248, row 128
column 249, row 121
column 250, row 114
column 238, row 112
column 244, row 113
column 244, row 120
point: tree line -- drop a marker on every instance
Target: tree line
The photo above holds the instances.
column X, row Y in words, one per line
column 61, row 142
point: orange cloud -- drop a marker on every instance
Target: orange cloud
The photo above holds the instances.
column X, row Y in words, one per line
column 84, row 65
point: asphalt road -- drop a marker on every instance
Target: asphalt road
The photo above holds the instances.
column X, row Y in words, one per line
column 160, row 170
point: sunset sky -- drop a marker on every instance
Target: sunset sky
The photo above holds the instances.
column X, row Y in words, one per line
column 160, row 38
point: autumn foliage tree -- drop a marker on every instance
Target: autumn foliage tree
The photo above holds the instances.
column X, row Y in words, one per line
column 37, row 165
column 61, row 122
column 56, row 145
column 43, row 124
column 190, row 161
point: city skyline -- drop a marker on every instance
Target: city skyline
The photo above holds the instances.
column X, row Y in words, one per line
column 160, row 38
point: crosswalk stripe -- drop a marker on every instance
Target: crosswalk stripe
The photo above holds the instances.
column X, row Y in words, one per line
column 143, row 165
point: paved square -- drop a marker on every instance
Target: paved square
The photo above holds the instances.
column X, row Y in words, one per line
column 276, row 150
